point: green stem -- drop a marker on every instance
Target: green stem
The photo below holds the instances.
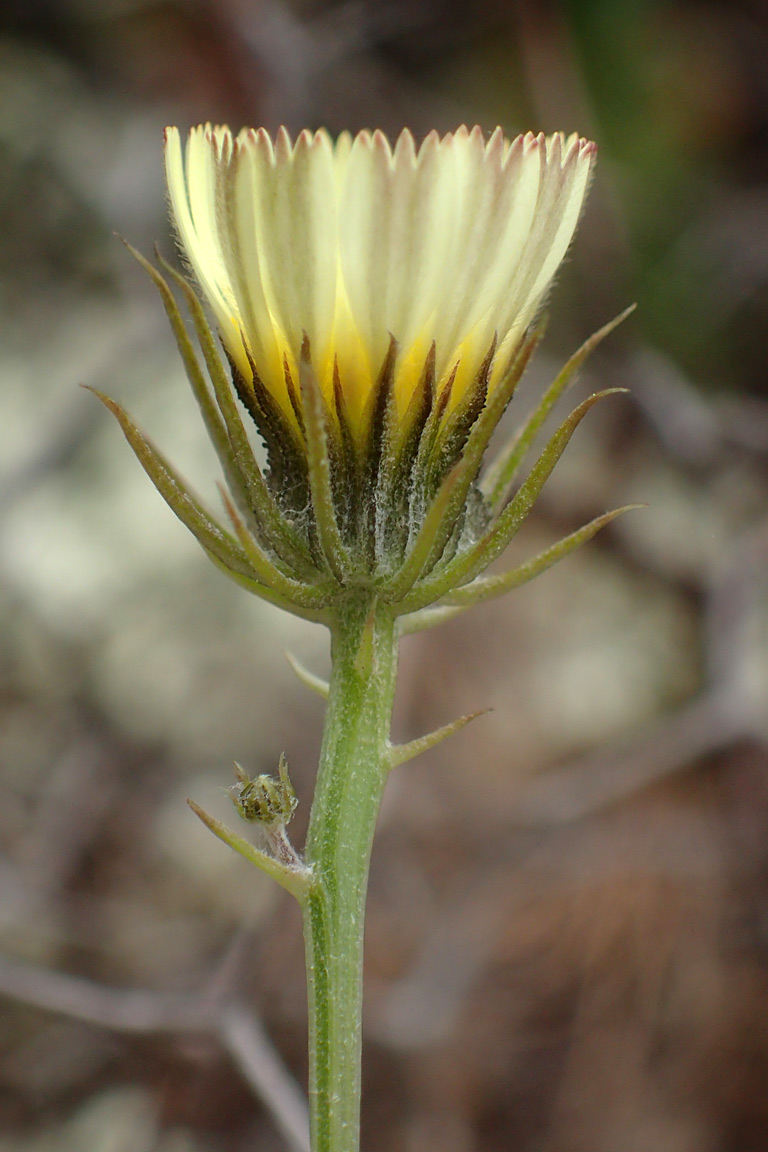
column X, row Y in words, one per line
column 353, row 768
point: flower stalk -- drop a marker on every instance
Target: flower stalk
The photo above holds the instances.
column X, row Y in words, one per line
column 377, row 308
column 354, row 764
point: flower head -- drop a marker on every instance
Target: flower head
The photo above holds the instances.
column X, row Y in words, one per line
column 376, row 306
column 451, row 247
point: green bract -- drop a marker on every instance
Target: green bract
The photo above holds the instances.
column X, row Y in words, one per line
column 409, row 515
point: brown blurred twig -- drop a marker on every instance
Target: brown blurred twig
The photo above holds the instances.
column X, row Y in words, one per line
column 141, row 1012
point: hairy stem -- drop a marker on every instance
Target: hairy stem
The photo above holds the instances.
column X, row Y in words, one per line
column 354, row 761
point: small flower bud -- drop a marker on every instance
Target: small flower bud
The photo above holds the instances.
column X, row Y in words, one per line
column 264, row 800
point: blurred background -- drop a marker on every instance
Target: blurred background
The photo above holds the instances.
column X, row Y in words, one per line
column 568, row 922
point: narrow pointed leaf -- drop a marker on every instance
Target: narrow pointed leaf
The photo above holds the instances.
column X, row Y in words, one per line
column 318, row 459
column 302, row 594
column 307, row 678
column 239, row 469
column 424, row 618
column 477, row 442
column 499, row 398
column 213, row 422
column 314, row 615
column 471, row 563
column 401, row 753
column 489, row 587
column 282, row 436
column 456, row 425
column 502, row 473
column 177, row 496
column 432, row 528
column 428, row 437
column 403, row 432
column 375, row 413
column 295, row 880
column 278, row 532
column 399, row 444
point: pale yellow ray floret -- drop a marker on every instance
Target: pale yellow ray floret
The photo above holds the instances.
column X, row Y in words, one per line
column 454, row 243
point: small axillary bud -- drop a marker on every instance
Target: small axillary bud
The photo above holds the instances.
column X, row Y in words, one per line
column 264, row 800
